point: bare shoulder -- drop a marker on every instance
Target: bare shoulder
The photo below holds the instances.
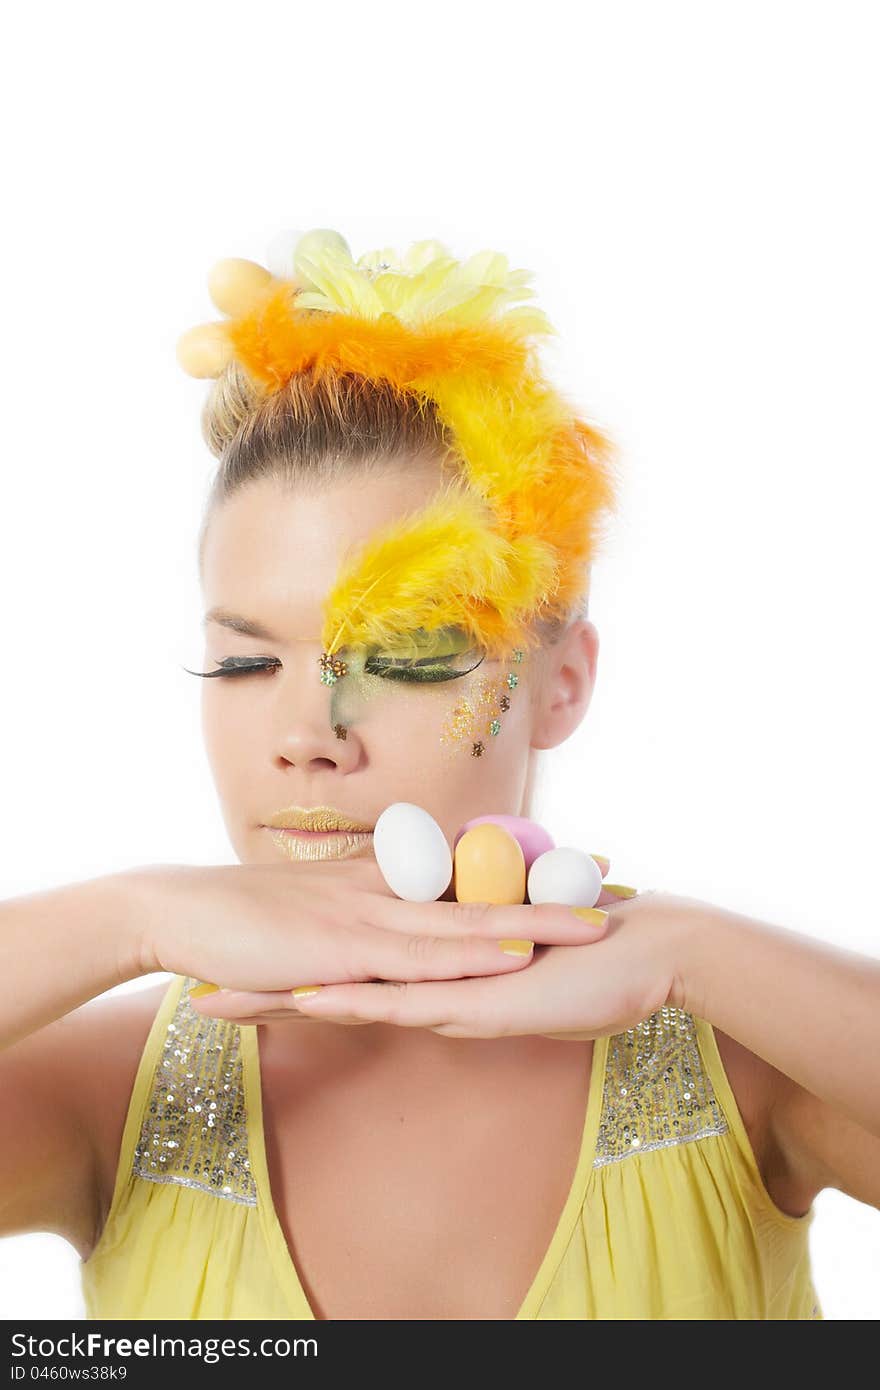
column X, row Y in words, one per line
column 756, row 1087
column 108, row 1042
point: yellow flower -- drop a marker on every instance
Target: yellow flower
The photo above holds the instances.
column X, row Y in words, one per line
column 426, row 284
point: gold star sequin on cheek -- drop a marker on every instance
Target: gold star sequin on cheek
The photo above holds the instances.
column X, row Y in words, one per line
column 473, row 721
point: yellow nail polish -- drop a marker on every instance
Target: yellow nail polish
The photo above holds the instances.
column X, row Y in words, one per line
column 511, row 947
column 603, row 860
column 591, row 914
column 620, row 890
column 302, row 990
column 198, row 990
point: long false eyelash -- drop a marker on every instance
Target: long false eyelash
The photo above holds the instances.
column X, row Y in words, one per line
column 237, row 666
column 390, row 669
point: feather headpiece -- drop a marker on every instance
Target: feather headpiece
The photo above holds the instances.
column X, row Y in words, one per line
column 513, row 538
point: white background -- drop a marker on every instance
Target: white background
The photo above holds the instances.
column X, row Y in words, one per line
column 694, row 187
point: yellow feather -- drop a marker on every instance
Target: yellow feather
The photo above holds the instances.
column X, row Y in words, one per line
column 433, row 570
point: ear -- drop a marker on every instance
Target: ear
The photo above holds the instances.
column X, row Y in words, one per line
column 564, row 691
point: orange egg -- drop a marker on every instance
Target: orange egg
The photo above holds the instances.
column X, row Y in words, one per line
column 489, row 867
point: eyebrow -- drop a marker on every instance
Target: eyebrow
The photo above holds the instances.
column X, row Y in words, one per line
column 246, row 626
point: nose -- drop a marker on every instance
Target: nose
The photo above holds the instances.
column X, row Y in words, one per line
column 313, row 747
column 309, row 735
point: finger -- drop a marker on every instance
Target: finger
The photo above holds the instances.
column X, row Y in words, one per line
column 475, row 1008
column 571, row 1037
column 233, row 1003
column 291, row 1017
column 271, row 1015
column 611, row 892
column 373, row 953
column 421, row 953
column 615, row 893
column 422, row 1004
column 550, row 924
column 238, row 1006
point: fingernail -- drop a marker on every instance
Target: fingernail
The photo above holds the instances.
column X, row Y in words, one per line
column 511, row 947
column 591, row 914
column 603, row 861
column 620, row 890
column 302, row 990
column 198, row 990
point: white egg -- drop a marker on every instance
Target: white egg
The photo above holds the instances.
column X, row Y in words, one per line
column 565, row 875
column 412, row 852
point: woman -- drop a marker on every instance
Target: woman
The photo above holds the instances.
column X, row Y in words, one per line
column 394, row 562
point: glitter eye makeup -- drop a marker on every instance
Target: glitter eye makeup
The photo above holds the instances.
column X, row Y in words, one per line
column 358, row 675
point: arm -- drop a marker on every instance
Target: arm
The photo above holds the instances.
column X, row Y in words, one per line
column 812, row 1011
column 62, row 947
column 58, row 949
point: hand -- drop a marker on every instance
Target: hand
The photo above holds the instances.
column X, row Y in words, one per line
column 261, row 930
column 570, row 992
column 546, row 923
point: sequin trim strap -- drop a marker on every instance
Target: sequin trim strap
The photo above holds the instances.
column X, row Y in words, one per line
column 194, row 1129
column 656, row 1091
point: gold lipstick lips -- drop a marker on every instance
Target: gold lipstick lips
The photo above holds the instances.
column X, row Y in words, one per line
column 319, row 819
column 320, row 833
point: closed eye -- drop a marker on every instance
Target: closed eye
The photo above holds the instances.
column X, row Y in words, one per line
column 239, row 666
column 426, row 669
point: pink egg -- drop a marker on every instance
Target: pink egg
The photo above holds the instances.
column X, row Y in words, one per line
column 533, row 838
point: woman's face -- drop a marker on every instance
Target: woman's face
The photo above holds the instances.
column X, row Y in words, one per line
column 271, row 556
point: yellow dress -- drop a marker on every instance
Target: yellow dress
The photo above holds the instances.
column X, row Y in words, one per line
column 667, row 1215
